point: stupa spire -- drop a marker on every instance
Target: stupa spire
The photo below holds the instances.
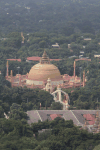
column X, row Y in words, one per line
column 45, row 59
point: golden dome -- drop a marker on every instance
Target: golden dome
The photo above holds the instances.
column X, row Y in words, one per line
column 43, row 72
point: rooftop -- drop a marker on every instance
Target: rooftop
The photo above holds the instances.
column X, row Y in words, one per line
column 75, row 115
column 36, row 58
column 15, row 60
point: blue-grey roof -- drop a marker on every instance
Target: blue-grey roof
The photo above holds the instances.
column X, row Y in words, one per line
column 75, row 115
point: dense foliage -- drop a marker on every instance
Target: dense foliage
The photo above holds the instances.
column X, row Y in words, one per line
column 59, row 135
column 19, row 100
column 66, row 17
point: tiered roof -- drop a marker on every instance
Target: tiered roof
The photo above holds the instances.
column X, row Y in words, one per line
column 45, row 59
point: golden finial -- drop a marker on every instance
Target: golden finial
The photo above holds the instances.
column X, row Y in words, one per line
column 45, row 58
column 44, row 54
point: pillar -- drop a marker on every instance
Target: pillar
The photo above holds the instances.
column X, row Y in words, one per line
column 66, row 104
column 59, row 92
column 11, row 78
column 74, row 70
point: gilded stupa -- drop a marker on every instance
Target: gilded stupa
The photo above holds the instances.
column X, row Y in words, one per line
column 39, row 73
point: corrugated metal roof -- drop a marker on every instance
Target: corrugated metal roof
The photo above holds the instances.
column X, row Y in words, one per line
column 75, row 115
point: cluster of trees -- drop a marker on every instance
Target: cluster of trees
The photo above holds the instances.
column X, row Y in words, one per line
column 89, row 96
column 16, row 101
column 23, row 99
column 59, row 135
column 29, row 16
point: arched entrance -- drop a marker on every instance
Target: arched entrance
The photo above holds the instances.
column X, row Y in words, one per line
column 58, row 97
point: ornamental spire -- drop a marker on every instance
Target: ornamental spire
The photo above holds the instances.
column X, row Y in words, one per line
column 44, row 59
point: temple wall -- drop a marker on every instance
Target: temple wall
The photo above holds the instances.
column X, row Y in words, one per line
column 56, row 82
column 30, row 82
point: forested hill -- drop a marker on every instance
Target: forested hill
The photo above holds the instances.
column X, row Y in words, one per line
column 66, row 17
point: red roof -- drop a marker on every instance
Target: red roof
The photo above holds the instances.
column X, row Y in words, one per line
column 36, row 58
column 90, row 118
column 53, row 116
column 15, row 60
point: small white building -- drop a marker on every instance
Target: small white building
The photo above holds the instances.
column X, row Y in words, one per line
column 84, row 46
column 56, row 45
column 81, row 52
column 69, row 46
column 96, row 56
column 87, row 39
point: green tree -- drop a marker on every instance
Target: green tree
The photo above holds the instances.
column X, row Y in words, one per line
column 56, row 106
column 1, row 112
column 97, row 147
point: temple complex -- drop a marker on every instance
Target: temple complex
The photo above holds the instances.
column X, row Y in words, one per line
column 44, row 75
